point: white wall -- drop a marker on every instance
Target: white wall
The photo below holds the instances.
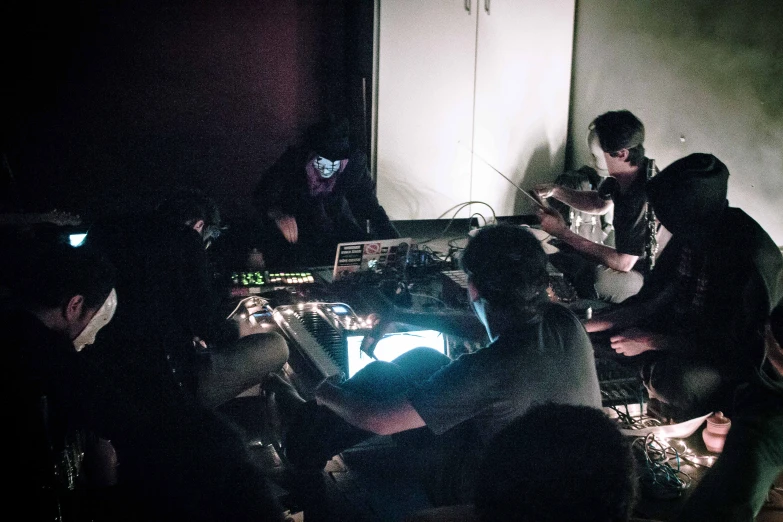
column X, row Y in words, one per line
column 703, row 76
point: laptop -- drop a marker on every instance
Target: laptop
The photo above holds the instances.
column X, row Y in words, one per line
column 369, row 256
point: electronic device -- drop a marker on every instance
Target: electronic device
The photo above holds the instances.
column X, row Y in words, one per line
column 391, row 346
column 620, row 384
column 454, row 288
column 369, row 257
column 318, row 332
column 327, row 337
column 77, row 239
column 253, row 282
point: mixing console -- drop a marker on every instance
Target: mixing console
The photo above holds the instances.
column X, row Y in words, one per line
column 246, row 283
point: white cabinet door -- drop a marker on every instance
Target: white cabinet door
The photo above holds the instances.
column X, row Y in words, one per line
column 523, row 79
column 463, row 94
column 426, row 66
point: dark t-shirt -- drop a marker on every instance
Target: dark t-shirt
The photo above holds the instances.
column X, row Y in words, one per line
column 630, row 208
column 550, row 360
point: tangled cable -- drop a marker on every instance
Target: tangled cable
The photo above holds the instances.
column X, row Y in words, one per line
column 659, row 467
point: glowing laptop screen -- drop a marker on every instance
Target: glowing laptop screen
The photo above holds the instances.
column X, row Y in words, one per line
column 392, row 346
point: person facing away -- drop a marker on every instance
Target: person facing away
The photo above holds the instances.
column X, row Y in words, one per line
column 558, row 462
column 698, row 321
column 616, row 141
column 538, row 352
column 317, row 195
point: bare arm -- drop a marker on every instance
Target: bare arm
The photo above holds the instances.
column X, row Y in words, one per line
column 606, row 255
column 631, row 315
column 584, row 200
column 552, row 222
column 380, row 417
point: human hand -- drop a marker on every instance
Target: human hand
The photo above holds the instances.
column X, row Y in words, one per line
column 288, row 227
column 380, row 327
column 378, row 330
column 634, row 341
column 544, row 190
column 551, row 221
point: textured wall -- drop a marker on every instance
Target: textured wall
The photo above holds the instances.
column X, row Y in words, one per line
column 703, row 76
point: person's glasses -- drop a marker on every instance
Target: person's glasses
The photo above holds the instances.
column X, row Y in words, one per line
column 326, row 167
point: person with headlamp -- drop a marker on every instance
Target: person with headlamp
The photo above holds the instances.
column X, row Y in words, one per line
column 317, row 195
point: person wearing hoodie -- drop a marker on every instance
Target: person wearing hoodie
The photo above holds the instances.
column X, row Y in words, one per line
column 317, row 195
column 697, row 325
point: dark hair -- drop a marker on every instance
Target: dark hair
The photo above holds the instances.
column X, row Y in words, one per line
column 617, row 130
column 508, row 267
column 557, row 462
column 329, row 137
column 48, row 275
column 187, row 206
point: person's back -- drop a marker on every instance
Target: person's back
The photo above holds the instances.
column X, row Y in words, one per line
column 164, row 290
column 556, row 463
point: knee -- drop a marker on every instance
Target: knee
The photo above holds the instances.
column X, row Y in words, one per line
column 268, row 350
column 615, row 286
column 687, row 385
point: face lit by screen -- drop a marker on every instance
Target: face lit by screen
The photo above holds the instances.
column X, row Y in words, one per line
column 326, row 167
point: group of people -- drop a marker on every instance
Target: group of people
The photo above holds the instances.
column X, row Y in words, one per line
column 122, row 359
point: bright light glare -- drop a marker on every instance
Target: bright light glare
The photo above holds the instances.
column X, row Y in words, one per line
column 77, row 239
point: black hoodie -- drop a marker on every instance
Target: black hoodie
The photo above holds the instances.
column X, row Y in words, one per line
column 738, row 267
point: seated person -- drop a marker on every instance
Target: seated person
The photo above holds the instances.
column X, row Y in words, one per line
column 64, row 410
column 169, row 339
column 556, row 462
column 737, row 485
column 596, row 270
column 574, row 465
column 316, row 196
column 538, row 352
column 698, row 321
column 57, row 297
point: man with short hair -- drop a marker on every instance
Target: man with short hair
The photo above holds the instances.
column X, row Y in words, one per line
column 698, row 322
column 616, row 141
column 538, row 352
column 59, row 298
column 63, row 409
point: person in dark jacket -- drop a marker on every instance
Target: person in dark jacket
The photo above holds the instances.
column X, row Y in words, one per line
column 317, row 195
column 698, row 321
column 739, row 482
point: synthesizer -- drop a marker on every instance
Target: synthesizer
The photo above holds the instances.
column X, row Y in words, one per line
column 254, row 282
column 318, row 331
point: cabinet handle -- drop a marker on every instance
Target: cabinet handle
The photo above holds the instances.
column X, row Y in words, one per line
column 486, row 6
column 467, row 5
